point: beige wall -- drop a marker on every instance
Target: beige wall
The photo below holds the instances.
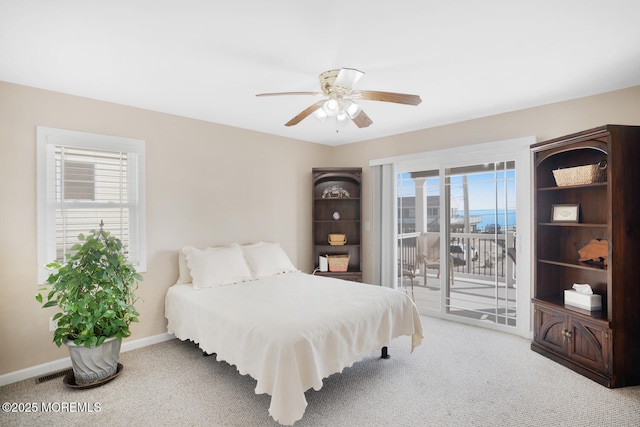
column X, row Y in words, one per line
column 206, row 184
column 545, row 122
column 212, row 184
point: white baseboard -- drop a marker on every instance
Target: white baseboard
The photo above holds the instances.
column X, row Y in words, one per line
column 64, row 363
column 144, row 342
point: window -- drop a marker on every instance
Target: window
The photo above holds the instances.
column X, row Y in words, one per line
column 85, row 179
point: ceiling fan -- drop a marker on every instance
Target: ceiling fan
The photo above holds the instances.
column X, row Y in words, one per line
column 338, row 85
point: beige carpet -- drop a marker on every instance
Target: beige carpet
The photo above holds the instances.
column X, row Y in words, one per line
column 459, row 376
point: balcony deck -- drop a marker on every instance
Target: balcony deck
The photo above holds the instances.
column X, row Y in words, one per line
column 484, row 286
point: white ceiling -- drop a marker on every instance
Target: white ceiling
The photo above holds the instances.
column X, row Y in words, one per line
column 207, row 59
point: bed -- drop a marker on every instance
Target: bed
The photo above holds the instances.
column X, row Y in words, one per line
column 287, row 329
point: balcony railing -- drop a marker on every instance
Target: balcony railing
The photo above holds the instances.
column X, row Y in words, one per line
column 475, row 255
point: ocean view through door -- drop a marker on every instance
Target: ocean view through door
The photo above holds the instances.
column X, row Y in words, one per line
column 457, row 239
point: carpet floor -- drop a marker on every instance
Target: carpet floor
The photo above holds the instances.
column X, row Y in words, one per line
column 460, row 376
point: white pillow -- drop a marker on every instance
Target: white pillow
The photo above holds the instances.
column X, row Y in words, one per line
column 184, row 275
column 267, row 259
column 216, row 266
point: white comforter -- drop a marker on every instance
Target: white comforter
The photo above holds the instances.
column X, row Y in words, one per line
column 289, row 331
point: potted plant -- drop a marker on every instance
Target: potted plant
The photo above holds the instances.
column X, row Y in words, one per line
column 95, row 290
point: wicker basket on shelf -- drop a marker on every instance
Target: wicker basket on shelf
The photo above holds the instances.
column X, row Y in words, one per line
column 581, row 175
column 338, row 263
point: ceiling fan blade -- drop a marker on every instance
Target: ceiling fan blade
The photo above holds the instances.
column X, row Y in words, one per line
column 362, row 120
column 398, row 98
column 304, row 113
column 290, row 93
column 347, row 78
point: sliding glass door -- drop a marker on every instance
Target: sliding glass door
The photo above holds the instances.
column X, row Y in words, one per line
column 481, row 233
column 459, row 233
column 461, row 262
column 418, row 228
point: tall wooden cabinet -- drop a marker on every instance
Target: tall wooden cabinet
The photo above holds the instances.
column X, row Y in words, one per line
column 337, row 210
column 603, row 345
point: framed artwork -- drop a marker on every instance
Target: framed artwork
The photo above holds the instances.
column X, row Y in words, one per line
column 565, row 213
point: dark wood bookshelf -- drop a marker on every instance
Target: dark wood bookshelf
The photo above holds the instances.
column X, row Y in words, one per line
column 337, row 190
column 603, row 344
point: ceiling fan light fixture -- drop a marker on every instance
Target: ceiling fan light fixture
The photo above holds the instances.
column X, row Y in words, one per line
column 321, row 114
column 341, row 117
column 352, row 109
column 331, row 107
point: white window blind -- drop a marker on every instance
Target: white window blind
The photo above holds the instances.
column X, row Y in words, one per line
column 85, row 179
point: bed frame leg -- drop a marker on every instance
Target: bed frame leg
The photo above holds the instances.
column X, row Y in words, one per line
column 385, row 353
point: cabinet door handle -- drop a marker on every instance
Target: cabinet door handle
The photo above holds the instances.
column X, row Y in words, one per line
column 567, row 334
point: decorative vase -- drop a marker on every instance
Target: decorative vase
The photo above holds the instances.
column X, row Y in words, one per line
column 94, row 364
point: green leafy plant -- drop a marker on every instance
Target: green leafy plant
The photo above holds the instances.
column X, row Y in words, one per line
column 95, row 289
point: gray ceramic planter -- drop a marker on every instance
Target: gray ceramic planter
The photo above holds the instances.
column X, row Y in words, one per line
column 95, row 364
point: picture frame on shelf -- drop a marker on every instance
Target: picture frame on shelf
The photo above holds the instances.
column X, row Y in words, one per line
column 565, row 213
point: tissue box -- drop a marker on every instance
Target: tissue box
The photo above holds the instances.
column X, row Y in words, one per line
column 587, row 302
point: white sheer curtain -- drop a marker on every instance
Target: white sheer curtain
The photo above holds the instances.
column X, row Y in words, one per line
column 384, row 223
